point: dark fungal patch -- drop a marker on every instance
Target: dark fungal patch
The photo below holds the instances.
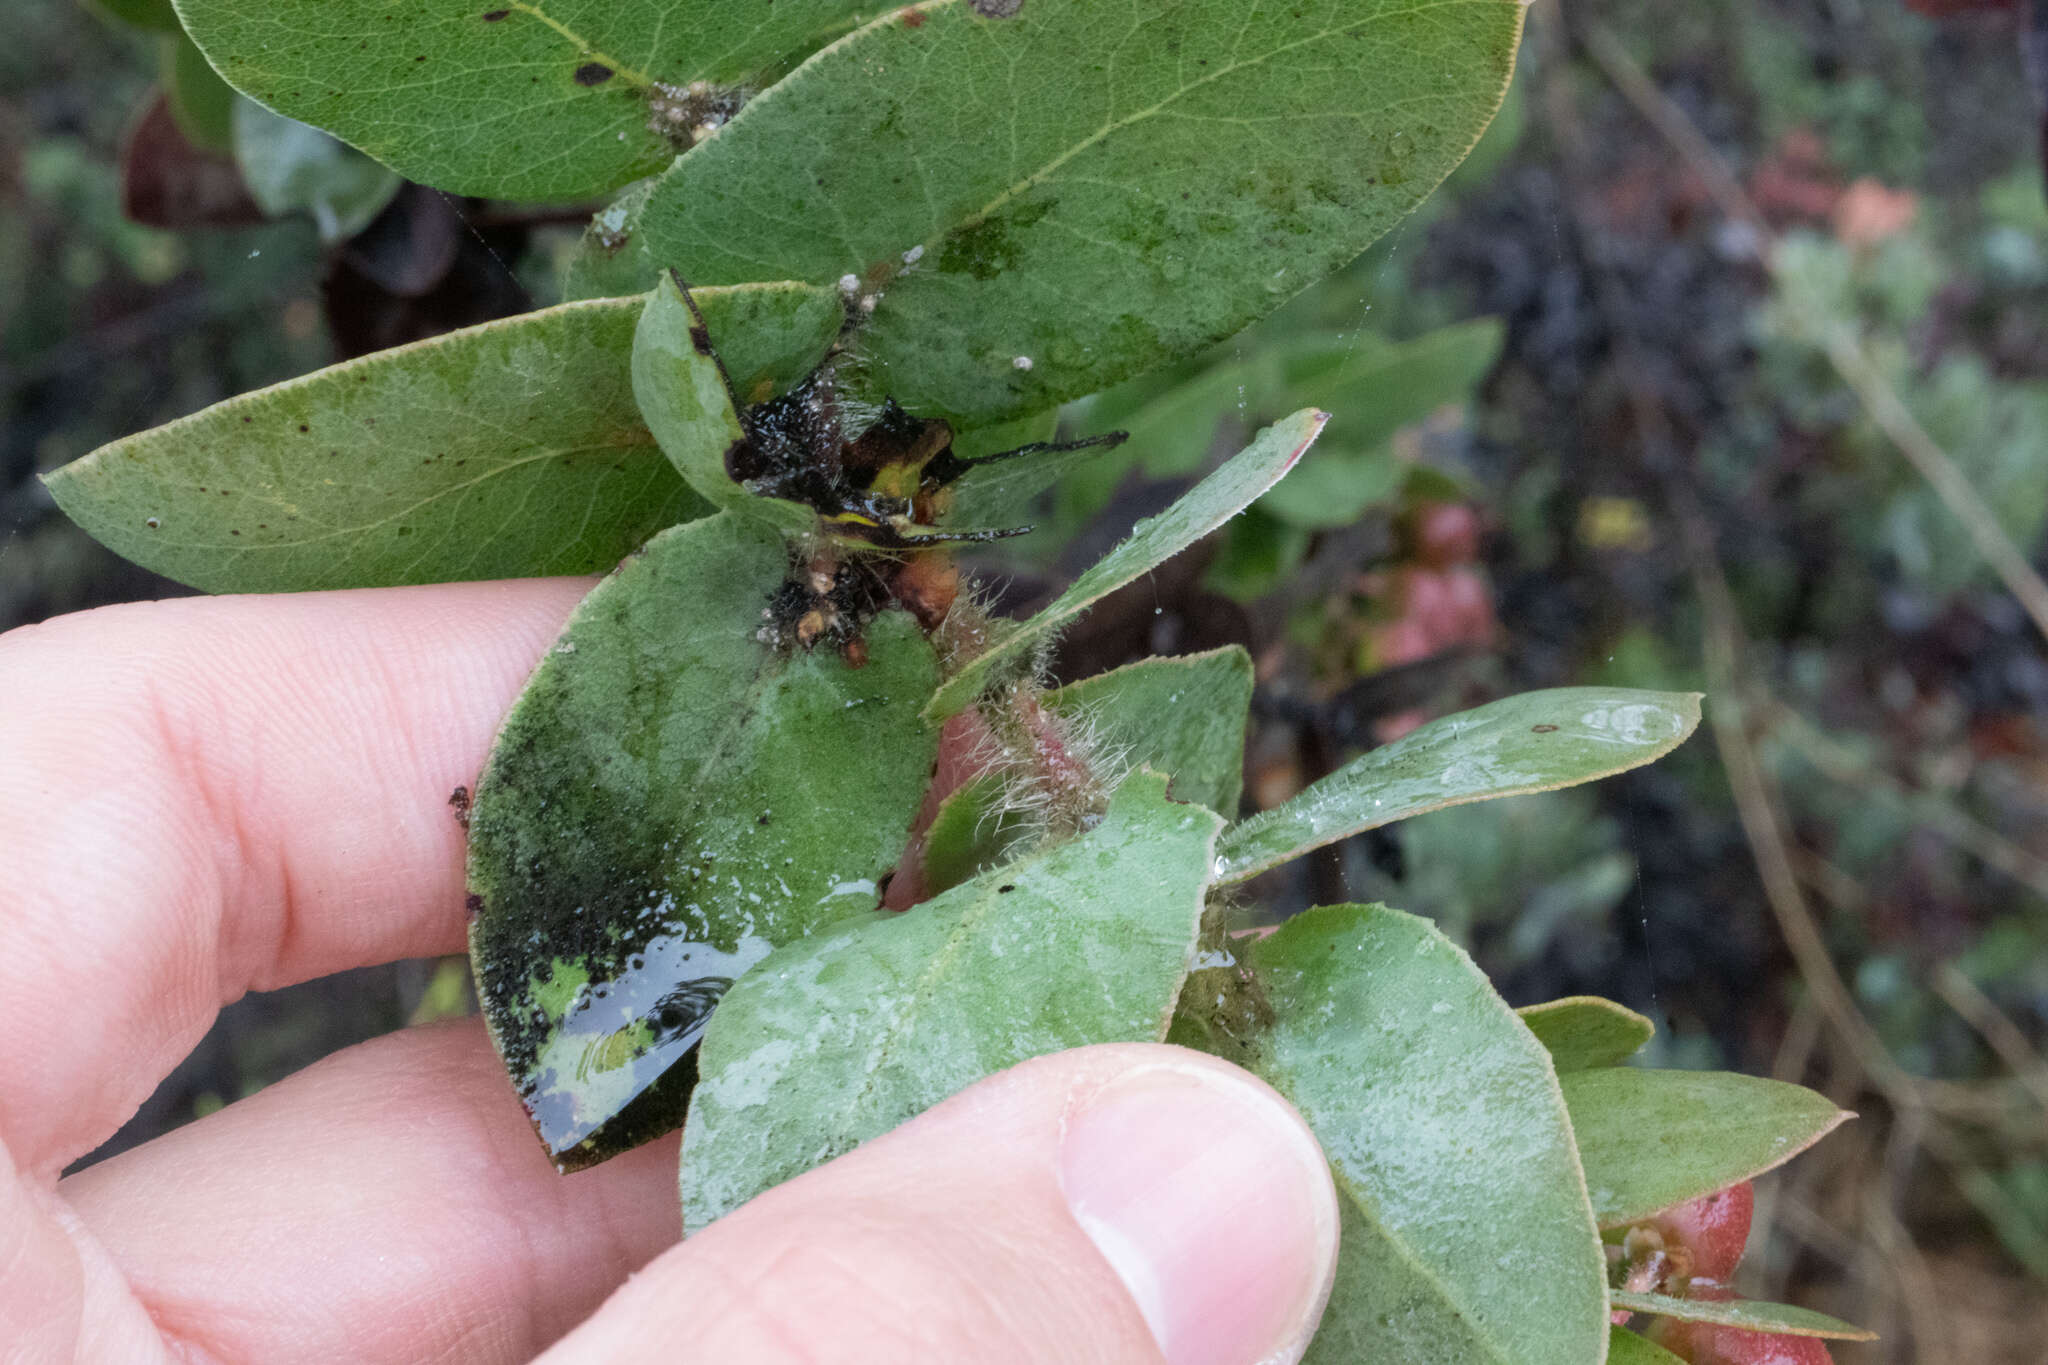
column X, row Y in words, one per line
column 493, row 16
column 593, row 73
column 1544, row 729
column 700, row 338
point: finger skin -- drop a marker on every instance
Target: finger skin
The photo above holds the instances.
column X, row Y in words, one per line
column 211, row 796
column 949, row 1239
column 388, row 1204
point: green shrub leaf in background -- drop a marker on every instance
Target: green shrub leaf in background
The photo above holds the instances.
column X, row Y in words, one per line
column 1183, row 716
column 526, row 99
column 1049, row 202
column 1651, row 1139
column 292, row 167
column 851, row 1032
column 1752, row 1315
column 1153, row 541
column 669, row 799
column 1466, row 1232
column 1582, row 1032
column 202, row 103
column 500, row 451
column 1537, row 741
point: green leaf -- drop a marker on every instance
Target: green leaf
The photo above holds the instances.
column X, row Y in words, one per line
column 292, row 167
column 154, row 15
column 973, row 832
column 1336, row 486
column 1626, row 1348
column 202, row 103
column 843, row 1036
column 501, row 451
column 1466, row 1233
column 525, row 99
column 1001, row 492
column 1583, row 1032
column 1651, row 1139
column 1081, row 192
column 1752, row 1315
column 680, row 386
column 1538, row 741
column 1183, row 716
column 669, row 799
column 1377, row 387
column 1155, row 540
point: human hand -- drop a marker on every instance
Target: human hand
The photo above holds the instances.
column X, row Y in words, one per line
column 202, row 798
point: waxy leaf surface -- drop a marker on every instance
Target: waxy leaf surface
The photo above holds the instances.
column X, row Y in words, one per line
column 1537, row 741
column 1583, row 1031
column 500, row 451
column 1080, row 191
column 527, row 99
column 1651, row 1139
column 843, row 1036
column 1155, row 540
column 1183, row 716
column 668, row 800
column 1753, row 1315
column 681, row 391
column 1466, row 1232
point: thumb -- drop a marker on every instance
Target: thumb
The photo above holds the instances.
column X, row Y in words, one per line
column 1122, row 1204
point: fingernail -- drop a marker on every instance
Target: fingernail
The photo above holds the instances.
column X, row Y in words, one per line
column 1207, row 1194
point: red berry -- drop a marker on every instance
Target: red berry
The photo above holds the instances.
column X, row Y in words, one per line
column 1441, row 534
column 1711, row 1230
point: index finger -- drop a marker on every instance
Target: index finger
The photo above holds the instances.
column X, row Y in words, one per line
column 210, row 796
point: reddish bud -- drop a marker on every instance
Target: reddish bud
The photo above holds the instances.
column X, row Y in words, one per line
column 1705, row 1236
column 1441, row 534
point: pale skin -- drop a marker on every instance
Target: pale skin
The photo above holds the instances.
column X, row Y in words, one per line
column 208, row 797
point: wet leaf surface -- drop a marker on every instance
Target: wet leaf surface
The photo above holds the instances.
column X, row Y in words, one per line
column 1748, row 1314
column 843, row 1036
column 1538, row 741
column 1466, row 1232
column 1152, row 542
column 668, row 800
column 1079, row 192
column 1651, row 1139
column 526, row 99
column 1583, row 1032
column 500, row 451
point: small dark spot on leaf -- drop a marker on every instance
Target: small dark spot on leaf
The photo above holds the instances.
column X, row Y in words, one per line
column 495, row 15
column 762, row 818
column 1544, row 729
column 473, row 904
column 700, row 340
column 593, row 73
column 151, row 522
column 304, row 428
column 1005, row 888
column 246, row 421
column 405, row 530
column 996, row 9
column 913, row 17
column 234, row 533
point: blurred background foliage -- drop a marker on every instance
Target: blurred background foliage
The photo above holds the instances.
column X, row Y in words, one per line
column 1621, row 404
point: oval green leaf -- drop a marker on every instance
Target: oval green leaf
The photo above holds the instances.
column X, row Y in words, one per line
column 680, row 385
column 1078, row 192
column 843, row 1036
column 1183, row 716
column 669, row 799
column 1582, row 1032
column 202, row 103
column 1153, row 541
column 1651, row 1139
column 1535, row 742
column 501, row 451
column 512, row 99
column 1466, row 1232
column 1752, row 1315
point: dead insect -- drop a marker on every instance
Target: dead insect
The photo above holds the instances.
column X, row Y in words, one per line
column 883, row 485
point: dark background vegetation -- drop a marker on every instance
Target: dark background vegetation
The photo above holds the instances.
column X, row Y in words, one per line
column 1697, row 222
